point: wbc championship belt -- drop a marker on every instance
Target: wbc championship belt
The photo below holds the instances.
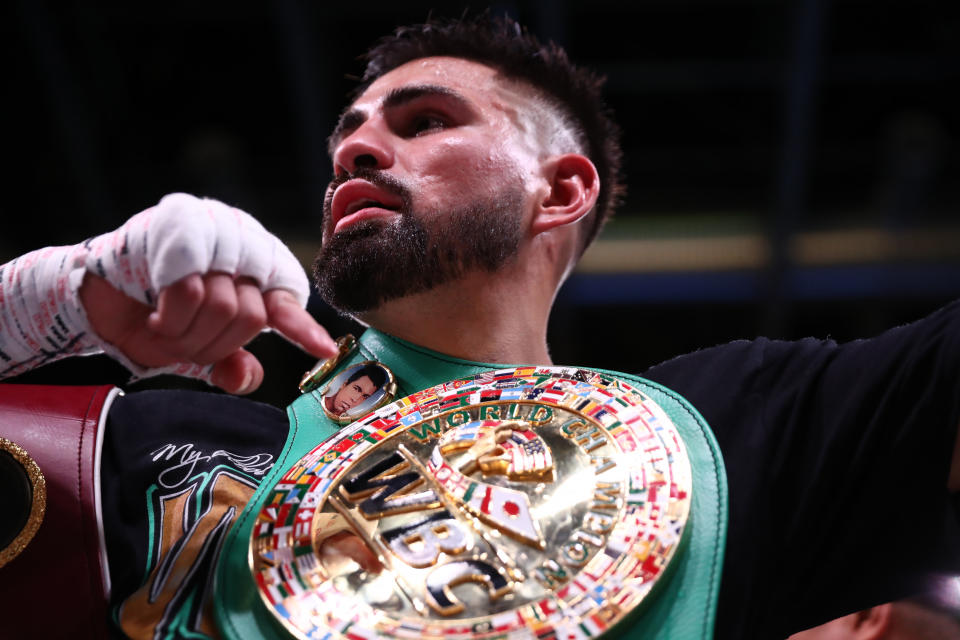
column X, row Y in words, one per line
column 536, row 502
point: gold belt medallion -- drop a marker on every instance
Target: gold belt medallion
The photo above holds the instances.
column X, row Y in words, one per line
column 528, row 502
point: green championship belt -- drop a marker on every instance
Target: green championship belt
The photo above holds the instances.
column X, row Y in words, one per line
column 533, row 502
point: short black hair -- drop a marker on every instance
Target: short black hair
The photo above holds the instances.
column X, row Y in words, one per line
column 514, row 52
column 373, row 371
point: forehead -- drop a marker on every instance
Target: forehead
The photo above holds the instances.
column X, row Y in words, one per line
column 463, row 76
column 478, row 91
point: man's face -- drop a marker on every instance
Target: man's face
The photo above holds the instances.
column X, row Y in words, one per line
column 352, row 393
column 432, row 180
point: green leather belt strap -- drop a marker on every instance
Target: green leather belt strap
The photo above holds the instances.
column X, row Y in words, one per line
column 685, row 606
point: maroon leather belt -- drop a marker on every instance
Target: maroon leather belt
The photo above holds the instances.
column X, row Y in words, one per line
column 57, row 428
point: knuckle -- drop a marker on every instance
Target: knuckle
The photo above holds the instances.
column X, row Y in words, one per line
column 190, row 290
column 224, row 308
column 277, row 300
column 253, row 318
column 221, row 305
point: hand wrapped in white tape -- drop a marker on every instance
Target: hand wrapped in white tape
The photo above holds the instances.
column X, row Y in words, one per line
column 184, row 235
column 179, row 288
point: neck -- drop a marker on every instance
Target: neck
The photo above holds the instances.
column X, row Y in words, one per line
column 483, row 317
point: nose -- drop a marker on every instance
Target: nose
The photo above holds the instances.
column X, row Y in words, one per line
column 367, row 147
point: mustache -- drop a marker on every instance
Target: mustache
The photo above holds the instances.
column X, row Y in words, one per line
column 377, row 178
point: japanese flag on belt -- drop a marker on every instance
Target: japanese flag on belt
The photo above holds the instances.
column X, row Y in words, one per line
column 506, row 509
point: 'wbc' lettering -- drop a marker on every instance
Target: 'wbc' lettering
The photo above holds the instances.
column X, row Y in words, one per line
column 385, row 489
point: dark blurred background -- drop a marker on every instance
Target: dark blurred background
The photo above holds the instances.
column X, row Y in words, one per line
column 792, row 166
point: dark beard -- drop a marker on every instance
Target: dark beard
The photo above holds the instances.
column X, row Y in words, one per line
column 373, row 262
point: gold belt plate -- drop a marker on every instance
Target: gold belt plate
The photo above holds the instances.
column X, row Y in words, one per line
column 528, row 502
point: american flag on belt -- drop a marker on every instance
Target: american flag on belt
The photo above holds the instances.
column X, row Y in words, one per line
column 485, row 378
column 527, row 452
column 553, row 393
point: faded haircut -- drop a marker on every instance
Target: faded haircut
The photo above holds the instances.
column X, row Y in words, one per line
column 505, row 45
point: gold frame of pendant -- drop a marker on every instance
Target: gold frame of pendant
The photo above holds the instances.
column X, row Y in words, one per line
column 389, row 393
column 38, row 502
column 316, row 375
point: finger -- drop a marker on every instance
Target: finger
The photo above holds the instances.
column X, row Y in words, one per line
column 249, row 320
column 216, row 312
column 286, row 315
column 177, row 305
column 238, row 373
column 345, row 543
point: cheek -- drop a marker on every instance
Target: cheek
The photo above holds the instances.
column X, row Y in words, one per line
column 457, row 165
column 465, row 155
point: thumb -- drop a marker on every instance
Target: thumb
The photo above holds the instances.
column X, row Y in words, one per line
column 240, row 373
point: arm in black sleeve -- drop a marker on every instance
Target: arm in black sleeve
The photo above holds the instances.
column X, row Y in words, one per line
column 838, row 458
column 177, row 468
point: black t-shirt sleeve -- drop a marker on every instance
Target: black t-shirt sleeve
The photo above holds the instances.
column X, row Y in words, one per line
column 170, row 462
column 837, row 458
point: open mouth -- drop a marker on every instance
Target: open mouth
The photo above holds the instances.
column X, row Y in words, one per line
column 365, row 203
column 358, row 200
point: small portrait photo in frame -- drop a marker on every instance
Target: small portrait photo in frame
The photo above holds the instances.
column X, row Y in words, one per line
column 357, row 390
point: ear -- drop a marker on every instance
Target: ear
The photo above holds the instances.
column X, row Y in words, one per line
column 573, row 187
column 874, row 622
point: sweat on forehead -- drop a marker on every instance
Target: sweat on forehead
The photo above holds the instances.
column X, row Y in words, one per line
column 542, row 123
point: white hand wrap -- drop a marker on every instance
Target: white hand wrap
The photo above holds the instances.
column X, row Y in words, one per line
column 41, row 318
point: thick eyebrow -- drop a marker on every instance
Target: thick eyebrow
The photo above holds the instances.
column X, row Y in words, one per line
column 403, row 95
column 353, row 118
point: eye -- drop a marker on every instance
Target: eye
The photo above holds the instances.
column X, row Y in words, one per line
column 425, row 123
